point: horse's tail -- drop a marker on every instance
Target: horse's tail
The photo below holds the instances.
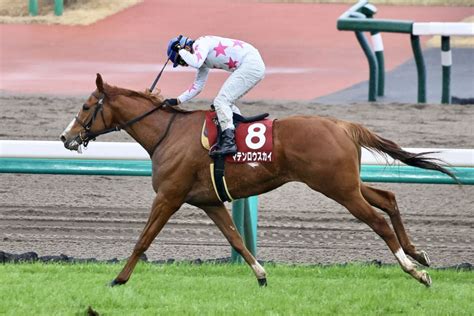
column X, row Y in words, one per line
column 373, row 142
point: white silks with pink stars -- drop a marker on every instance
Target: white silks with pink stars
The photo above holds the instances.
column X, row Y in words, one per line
column 235, row 56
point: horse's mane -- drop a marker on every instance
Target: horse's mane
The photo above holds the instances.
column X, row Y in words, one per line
column 156, row 98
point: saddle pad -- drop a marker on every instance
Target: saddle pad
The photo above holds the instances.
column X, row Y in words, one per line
column 254, row 140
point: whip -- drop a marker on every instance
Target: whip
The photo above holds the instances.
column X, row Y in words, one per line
column 159, row 75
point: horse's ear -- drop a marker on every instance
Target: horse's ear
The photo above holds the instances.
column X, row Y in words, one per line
column 99, row 83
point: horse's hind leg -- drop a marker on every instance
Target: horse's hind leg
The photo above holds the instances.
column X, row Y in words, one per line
column 361, row 209
column 385, row 200
column 220, row 215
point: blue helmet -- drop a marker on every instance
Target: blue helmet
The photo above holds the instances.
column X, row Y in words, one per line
column 183, row 41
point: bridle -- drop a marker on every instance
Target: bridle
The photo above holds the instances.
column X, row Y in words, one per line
column 88, row 135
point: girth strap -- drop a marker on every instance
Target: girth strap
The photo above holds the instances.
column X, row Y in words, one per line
column 218, row 179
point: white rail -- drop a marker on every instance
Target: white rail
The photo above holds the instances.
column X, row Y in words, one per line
column 133, row 151
column 443, row 28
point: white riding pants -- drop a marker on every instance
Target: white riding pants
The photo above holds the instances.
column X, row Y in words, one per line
column 241, row 81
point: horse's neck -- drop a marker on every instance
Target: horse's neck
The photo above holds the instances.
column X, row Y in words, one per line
column 148, row 130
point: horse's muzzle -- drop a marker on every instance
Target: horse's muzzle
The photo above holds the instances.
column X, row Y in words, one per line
column 71, row 144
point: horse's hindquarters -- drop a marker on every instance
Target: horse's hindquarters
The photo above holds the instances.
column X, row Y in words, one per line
column 318, row 152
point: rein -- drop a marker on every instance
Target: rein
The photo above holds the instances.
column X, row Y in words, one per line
column 88, row 135
column 165, row 134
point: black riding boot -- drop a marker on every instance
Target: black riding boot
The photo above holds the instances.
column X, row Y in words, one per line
column 226, row 144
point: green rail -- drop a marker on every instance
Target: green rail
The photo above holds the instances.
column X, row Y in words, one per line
column 369, row 173
column 244, row 211
column 359, row 19
column 245, row 216
column 58, row 7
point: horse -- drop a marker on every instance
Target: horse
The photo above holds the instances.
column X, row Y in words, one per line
column 324, row 153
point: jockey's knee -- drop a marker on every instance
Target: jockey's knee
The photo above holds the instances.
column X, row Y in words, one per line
column 222, row 102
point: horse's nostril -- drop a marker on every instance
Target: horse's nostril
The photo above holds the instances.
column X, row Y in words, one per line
column 62, row 138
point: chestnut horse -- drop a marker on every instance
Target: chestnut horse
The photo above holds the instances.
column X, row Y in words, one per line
column 322, row 152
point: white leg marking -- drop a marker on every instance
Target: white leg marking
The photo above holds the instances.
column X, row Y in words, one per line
column 404, row 261
column 253, row 164
column 258, row 270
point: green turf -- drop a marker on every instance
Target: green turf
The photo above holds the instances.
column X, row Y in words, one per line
column 183, row 289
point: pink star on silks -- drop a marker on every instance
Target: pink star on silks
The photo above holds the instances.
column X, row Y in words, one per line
column 198, row 55
column 238, row 43
column 220, row 49
column 191, row 88
column 232, row 63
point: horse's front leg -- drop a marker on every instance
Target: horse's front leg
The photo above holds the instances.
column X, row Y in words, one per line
column 221, row 216
column 161, row 211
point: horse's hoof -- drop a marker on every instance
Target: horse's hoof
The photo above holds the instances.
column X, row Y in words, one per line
column 115, row 283
column 424, row 259
column 262, row 282
column 425, row 278
column 91, row 312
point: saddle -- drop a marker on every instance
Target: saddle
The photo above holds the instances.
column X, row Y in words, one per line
column 254, row 140
column 248, row 119
column 237, row 118
column 253, row 137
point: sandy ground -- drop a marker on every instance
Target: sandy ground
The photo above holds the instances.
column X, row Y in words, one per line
column 100, row 216
column 84, row 12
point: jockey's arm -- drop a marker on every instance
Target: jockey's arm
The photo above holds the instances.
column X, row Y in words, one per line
column 196, row 87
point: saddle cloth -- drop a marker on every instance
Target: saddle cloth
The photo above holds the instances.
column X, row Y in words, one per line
column 254, row 140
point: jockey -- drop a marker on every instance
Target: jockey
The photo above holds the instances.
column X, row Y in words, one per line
column 213, row 52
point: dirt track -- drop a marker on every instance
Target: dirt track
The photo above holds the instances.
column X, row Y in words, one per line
column 99, row 216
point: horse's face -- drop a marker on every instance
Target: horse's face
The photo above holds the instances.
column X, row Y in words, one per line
column 93, row 117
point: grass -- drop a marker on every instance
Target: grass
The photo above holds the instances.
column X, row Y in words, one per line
column 184, row 289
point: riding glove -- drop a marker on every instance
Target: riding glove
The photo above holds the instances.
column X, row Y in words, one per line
column 172, row 102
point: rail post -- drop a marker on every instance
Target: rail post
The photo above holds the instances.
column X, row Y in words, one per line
column 378, row 48
column 33, row 7
column 371, row 59
column 446, row 62
column 420, row 67
column 360, row 18
column 445, row 30
column 369, row 10
column 245, row 215
column 58, row 7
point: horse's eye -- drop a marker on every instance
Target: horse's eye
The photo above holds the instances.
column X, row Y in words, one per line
column 85, row 107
